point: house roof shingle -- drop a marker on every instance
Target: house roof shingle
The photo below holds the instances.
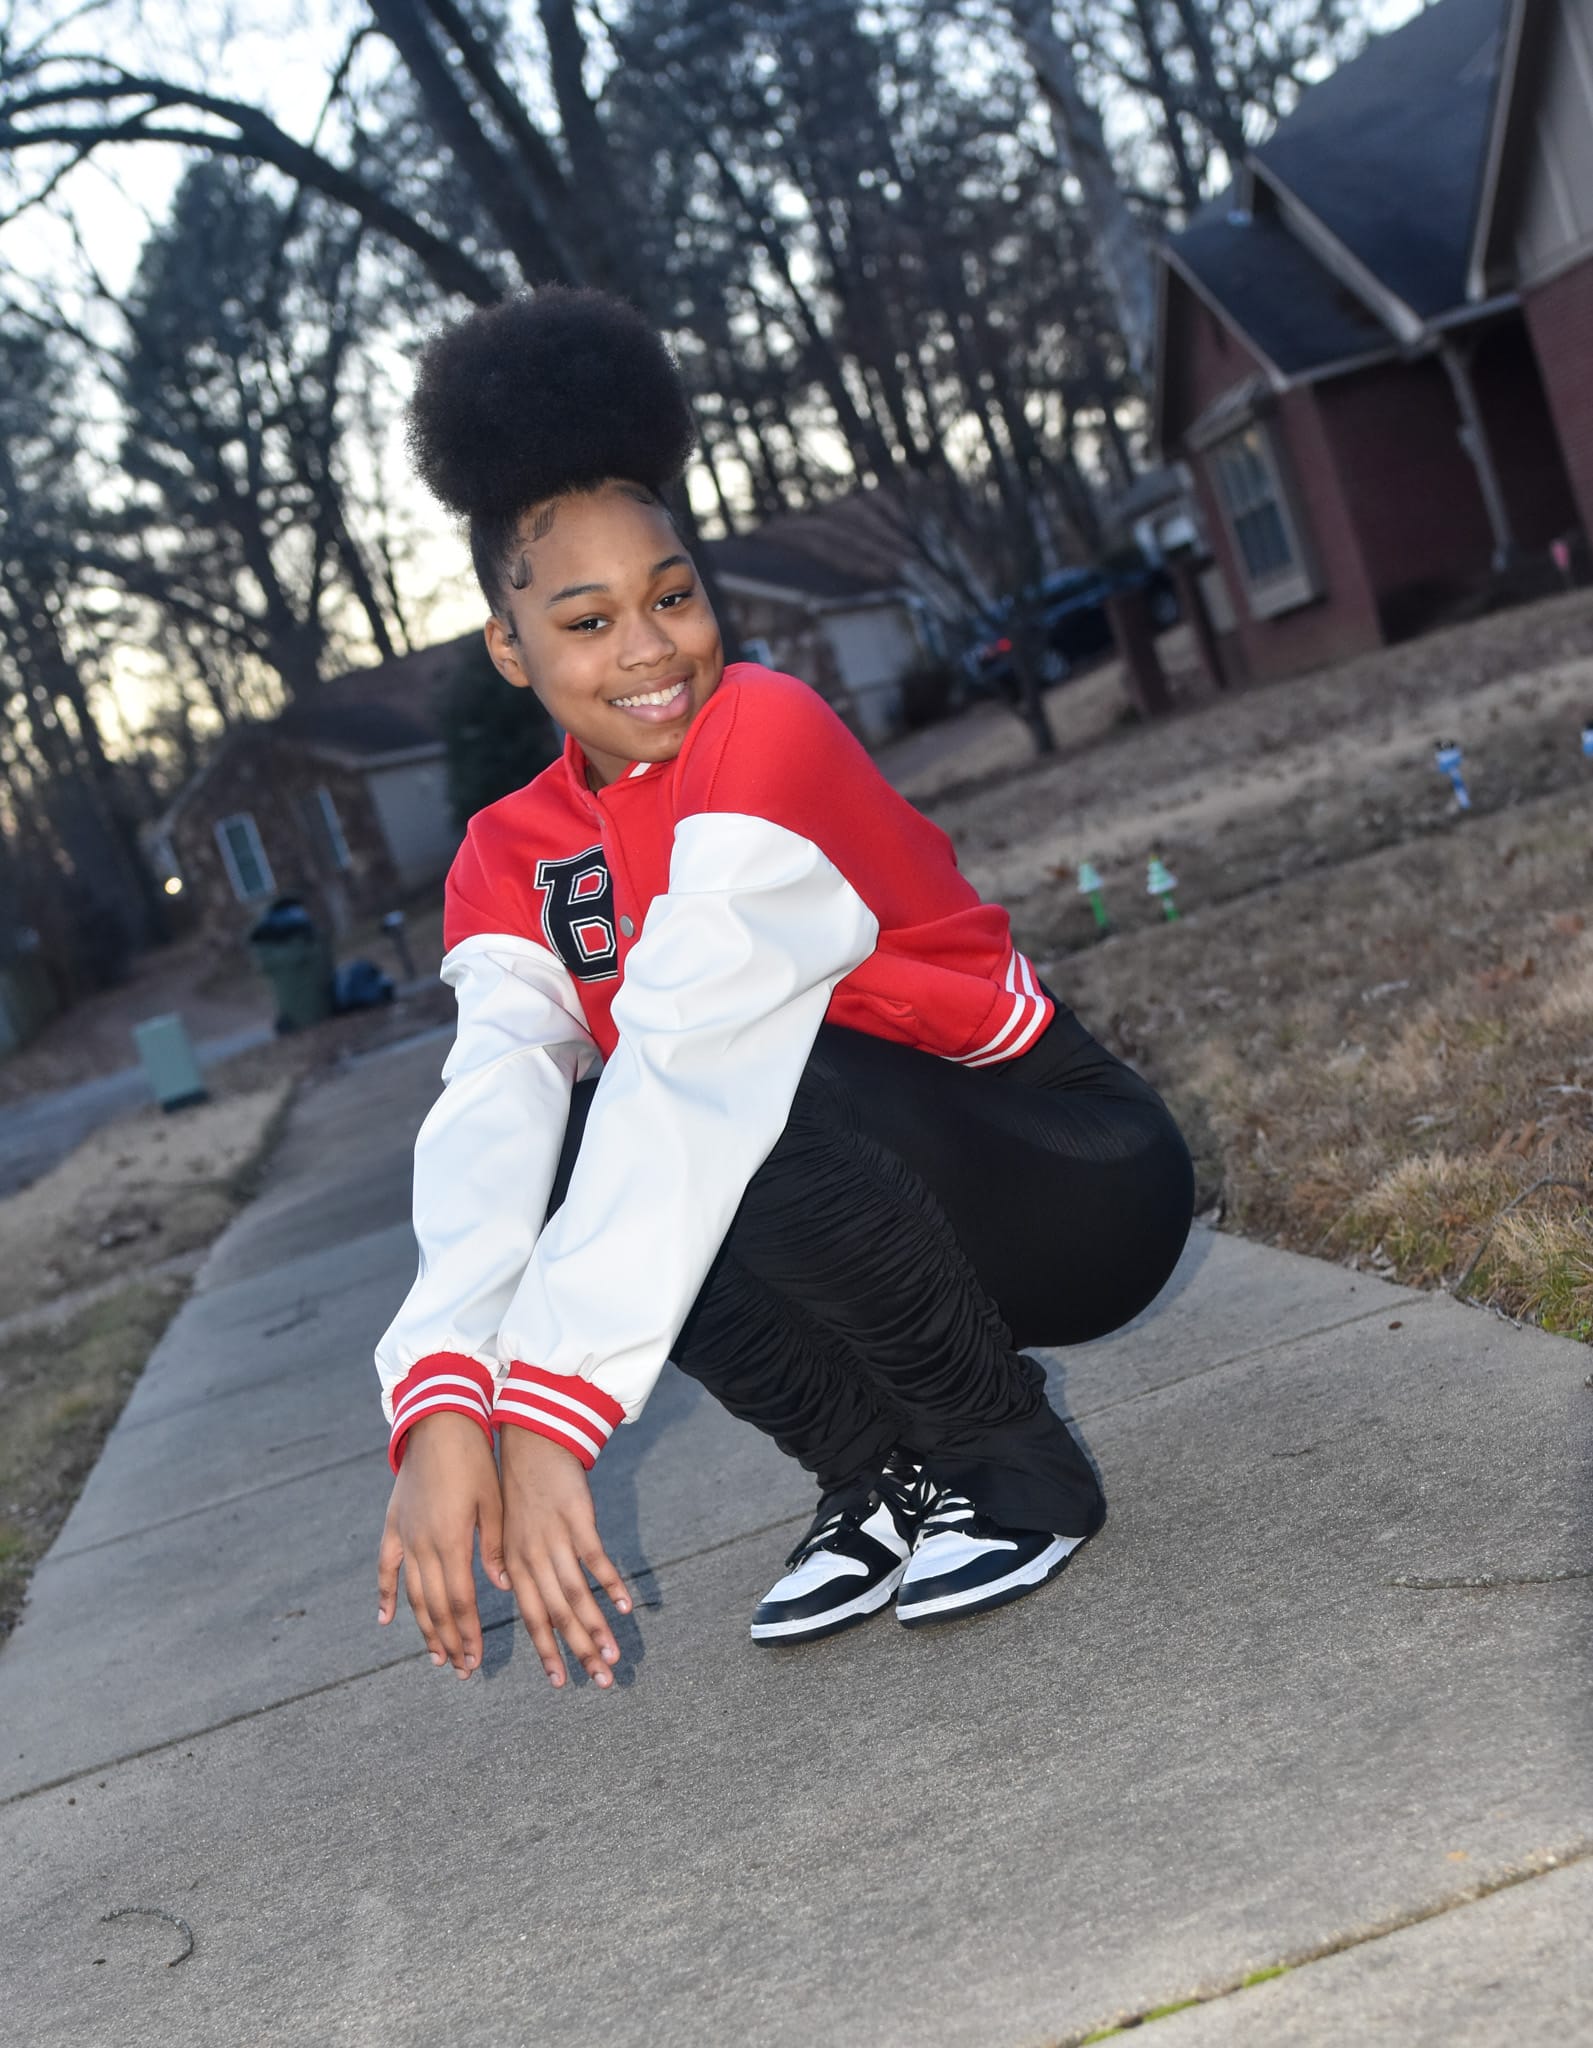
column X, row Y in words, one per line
column 383, row 709
column 1388, row 151
column 787, row 568
column 1387, row 154
column 1297, row 314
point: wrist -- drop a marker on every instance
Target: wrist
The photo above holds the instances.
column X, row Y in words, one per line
column 445, row 1384
column 524, row 1448
column 570, row 1412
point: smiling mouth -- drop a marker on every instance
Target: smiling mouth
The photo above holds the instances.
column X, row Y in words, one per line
column 666, row 693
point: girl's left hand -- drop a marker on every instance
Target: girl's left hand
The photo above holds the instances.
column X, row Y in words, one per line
column 550, row 1542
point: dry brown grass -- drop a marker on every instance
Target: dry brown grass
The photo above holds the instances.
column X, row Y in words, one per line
column 1374, row 1060
column 97, row 1255
column 62, row 1387
column 1375, row 1018
column 137, row 1192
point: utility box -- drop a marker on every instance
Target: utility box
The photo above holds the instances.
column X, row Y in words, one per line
column 170, row 1062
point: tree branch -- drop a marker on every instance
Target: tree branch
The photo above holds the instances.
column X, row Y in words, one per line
column 257, row 138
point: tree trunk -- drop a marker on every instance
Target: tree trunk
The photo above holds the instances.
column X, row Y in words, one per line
column 1121, row 248
column 498, row 182
column 1216, row 111
column 1170, row 101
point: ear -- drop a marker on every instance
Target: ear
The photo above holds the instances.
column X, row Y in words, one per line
column 505, row 653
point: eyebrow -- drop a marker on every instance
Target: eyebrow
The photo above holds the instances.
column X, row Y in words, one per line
column 585, row 589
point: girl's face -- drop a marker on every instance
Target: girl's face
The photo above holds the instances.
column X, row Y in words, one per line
column 608, row 624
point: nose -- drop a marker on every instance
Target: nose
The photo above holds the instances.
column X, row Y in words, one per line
column 645, row 642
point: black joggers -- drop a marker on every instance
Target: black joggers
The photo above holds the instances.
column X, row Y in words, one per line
column 916, row 1225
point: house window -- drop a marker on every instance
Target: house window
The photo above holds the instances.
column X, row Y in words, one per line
column 331, row 824
column 1265, row 537
column 759, row 651
column 248, row 870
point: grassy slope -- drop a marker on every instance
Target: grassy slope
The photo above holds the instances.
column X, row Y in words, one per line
column 1375, row 1019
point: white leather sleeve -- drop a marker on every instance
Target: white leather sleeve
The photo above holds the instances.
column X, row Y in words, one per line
column 724, row 994
column 487, row 1152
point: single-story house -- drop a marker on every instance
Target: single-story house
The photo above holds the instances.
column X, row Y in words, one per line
column 1372, row 441
column 342, row 800
column 858, row 638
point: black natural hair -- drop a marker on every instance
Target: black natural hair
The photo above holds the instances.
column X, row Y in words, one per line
column 547, row 394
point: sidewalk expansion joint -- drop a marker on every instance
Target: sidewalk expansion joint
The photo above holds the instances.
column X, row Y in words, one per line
column 1233, row 1358
column 226, row 1500
column 1543, row 1865
column 312, row 1692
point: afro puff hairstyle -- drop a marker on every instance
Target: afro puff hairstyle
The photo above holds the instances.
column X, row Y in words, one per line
column 542, row 396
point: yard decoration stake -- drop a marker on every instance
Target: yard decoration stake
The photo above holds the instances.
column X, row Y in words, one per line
column 1161, row 881
column 1446, row 758
column 1090, row 886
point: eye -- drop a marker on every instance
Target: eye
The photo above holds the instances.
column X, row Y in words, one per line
column 585, row 625
column 672, row 598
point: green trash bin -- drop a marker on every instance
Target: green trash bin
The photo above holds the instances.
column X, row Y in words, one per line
column 297, row 961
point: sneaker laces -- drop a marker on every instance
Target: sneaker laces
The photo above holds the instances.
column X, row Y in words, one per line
column 901, row 1485
column 822, row 1531
column 950, row 1511
column 907, row 1490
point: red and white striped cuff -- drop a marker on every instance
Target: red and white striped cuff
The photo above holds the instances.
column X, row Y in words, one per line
column 1031, row 1010
column 564, row 1409
column 446, row 1381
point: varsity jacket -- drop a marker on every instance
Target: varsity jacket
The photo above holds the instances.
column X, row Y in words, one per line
column 686, row 929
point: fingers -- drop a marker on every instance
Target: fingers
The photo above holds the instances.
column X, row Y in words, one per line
column 535, row 1617
column 490, row 1520
column 445, row 1612
column 601, row 1566
column 414, row 1587
column 389, row 1556
column 581, row 1623
column 460, row 1589
column 555, row 1600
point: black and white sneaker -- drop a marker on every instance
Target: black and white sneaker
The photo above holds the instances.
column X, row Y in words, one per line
column 848, row 1564
column 963, row 1563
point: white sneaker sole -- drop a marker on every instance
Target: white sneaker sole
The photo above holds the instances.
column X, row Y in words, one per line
column 809, row 1627
column 995, row 1593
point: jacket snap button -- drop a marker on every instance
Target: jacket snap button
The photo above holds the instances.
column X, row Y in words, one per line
column 627, row 927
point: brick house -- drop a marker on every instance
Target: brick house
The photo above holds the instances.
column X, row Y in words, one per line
column 1372, row 442
column 1534, row 232
column 342, row 800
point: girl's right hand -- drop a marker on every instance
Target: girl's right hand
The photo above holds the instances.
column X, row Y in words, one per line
column 446, row 1489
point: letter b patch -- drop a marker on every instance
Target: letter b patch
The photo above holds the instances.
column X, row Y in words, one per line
column 578, row 913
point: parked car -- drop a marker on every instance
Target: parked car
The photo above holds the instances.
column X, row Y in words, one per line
column 1073, row 609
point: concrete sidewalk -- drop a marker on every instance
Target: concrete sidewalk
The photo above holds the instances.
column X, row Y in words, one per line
column 1317, row 1696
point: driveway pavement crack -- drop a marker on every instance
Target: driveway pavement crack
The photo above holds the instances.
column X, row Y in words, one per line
column 1524, row 1873
column 1233, row 1358
column 131, row 1756
column 1490, row 1582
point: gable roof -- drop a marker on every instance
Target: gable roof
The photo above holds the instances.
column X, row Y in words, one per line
column 1298, row 316
column 1388, row 152
column 388, row 708
column 750, row 558
column 1349, row 231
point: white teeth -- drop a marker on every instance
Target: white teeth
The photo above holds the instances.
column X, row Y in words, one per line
column 667, row 695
